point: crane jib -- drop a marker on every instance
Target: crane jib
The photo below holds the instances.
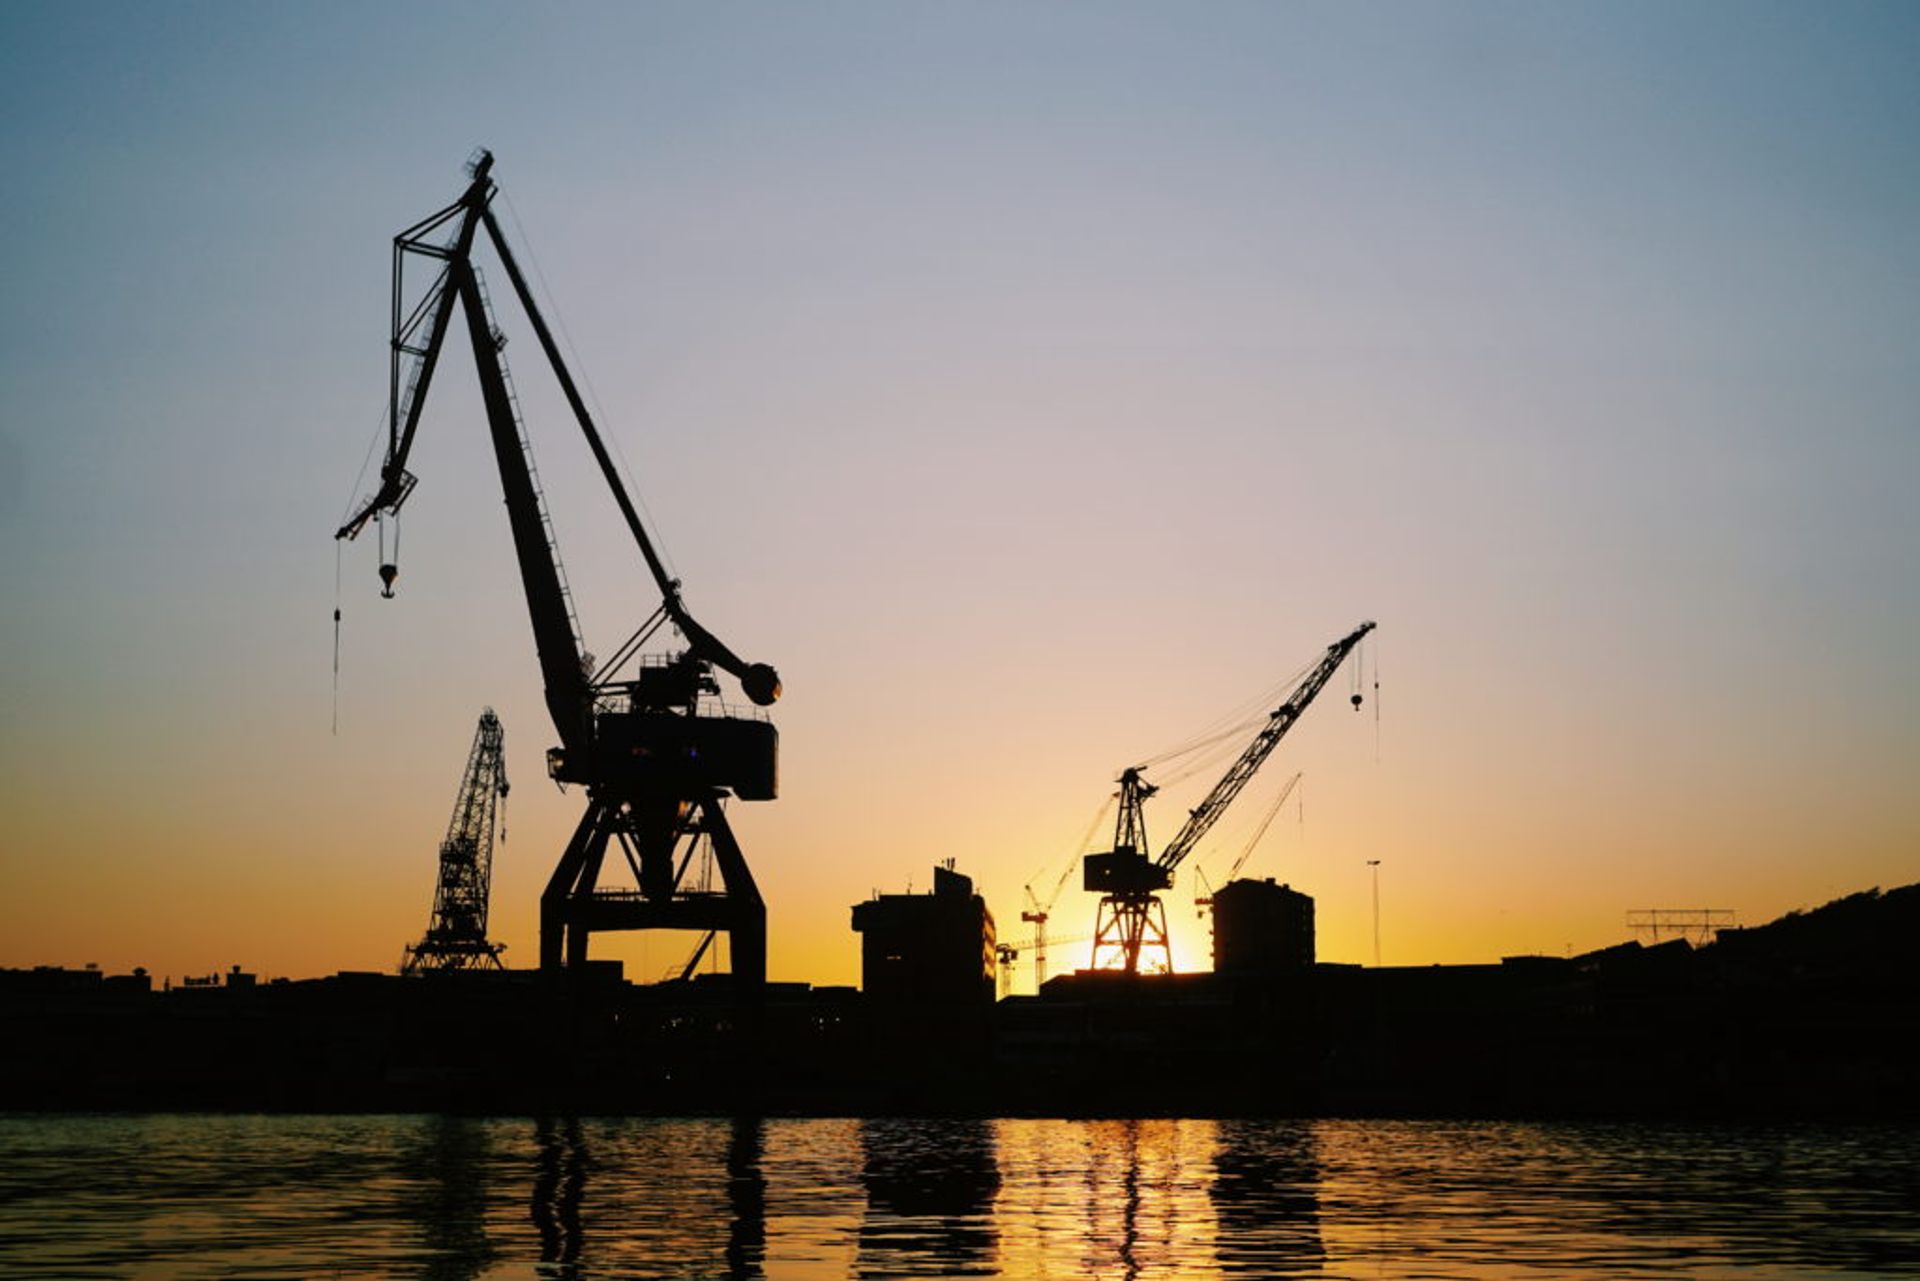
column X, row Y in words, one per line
column 1242, row 770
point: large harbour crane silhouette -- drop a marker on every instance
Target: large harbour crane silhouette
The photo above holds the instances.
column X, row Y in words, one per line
column 1131, row 919
column 655, row 755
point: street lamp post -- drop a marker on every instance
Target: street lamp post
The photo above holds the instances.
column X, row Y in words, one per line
column 1374, row 864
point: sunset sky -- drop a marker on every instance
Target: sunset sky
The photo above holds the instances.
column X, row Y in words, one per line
column 1032, row 385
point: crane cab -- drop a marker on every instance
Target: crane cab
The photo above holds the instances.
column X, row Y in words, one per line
column 650, row 750
column 1123, row 871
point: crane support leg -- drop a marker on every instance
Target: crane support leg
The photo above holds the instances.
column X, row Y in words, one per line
column 1130, row 933
column 573, row 908
column 578, row 932
column 747, row 931
column 560, row 888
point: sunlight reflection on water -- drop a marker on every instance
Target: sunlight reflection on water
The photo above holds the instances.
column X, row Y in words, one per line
column 462, row 1199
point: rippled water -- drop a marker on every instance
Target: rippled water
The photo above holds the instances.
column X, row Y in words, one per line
column 456, row 1198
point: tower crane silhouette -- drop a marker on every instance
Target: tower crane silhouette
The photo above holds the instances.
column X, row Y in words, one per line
column 456, row 937
column 1039, row 911
column 1131, row 919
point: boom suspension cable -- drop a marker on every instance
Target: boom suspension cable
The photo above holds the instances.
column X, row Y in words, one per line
column 560, row 321
column 337, row 550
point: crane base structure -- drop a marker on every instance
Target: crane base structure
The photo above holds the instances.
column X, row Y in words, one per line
column 574, row 907
column 657, row 782
column 1130, row 933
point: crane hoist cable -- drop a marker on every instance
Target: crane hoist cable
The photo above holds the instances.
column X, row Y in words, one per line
column 586, row 381
column 1376, row 707
column 1231, row 724
column 1073, row 861
column 1266, row 821
column 355, row 498
column 1224, row 743
column 337, row 551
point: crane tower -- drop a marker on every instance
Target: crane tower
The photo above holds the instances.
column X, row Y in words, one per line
column 456, row 937
column 657, row 755
column 1042, row 911
column 1131, row 919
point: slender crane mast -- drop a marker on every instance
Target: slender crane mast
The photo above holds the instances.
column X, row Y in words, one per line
column 656, row 762
column 1042, row 911
column 456, row 937
column 1131, row 919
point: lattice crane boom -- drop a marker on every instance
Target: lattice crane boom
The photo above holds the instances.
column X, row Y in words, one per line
column 1283, row 718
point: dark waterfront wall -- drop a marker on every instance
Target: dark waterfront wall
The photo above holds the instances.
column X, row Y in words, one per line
column 1812, row 1015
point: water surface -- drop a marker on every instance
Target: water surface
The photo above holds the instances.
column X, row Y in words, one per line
column 456, row 1199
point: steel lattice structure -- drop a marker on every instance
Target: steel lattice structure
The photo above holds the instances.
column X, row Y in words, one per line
column 457, row 935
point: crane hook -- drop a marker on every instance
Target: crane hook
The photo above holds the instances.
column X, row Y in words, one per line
column 389, row 565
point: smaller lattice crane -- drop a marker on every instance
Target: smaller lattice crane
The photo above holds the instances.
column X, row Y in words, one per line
column 1042, row 911
column 457, row 936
